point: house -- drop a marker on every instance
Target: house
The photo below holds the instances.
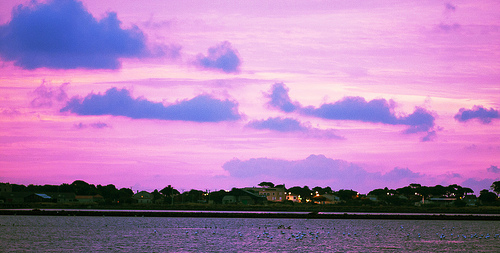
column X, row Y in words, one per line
column 293, row 197
column 470, row 200
column 373, row 198
column 89, row 198
column 441, row 201
column 242, row 196
column 15, row 197
column 143, row 197
column 274, row 194
column 38, row 197
column 63, row 197
column 5, row 187
column 326, row 199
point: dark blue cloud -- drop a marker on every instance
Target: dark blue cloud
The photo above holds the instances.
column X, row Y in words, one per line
column 477, row 112
column 98, row 125
column 278, row 124
column 202, row 108
column 355, row 108
column 62, row 34
column 493, row 169
column 280, row 99
column 292, row 125
column 222, row 57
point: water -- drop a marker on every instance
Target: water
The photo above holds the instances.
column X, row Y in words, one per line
column 143, row 234
column 250, row 212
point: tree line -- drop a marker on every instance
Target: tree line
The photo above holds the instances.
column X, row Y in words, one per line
column 169, row 195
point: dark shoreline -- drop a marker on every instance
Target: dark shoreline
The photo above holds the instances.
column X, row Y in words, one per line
column 281, row 215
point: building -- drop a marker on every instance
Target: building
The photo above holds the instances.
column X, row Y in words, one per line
column 326, row 199
column 293, row 197
column 5, row 187
column 441, row 201
column 64, row 197
column 143, row 197
column 242, row 196
column 89, row 199
column 14, row 197
column 273, row 194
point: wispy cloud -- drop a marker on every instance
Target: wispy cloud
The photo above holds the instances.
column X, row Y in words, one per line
column 222, row 57
column 292, row 125
column 116, row 102
column 450, row 7
column 96, row 125
column 10, row 112
column 493, row 169
column 62, row 34
column 356, row 108
column 478, row 112
column 45, row 95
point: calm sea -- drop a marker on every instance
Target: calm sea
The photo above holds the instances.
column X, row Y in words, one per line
column 143, row 234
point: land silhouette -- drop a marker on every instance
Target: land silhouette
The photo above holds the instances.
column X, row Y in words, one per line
column 413, row 197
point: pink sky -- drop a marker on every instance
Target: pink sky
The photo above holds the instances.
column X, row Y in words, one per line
column 221, row 94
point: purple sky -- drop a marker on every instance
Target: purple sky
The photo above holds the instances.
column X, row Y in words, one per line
column 219, row 94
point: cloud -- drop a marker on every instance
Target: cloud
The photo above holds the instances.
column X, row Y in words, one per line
column 314, row 166
column 450, row 7
column 493, row 169
column 10, row 112
column 477, row 184
column 431, row 135
column 202, row 108
column 401, row 173
column 97, row 125
column 337, row 173
column 280, row 99
column 221, row 57
column 477, row 112
column 45, row 95
column 292, row 125
column 62, row 34
column 448, row 27
column 356, row 108
column 278, row 124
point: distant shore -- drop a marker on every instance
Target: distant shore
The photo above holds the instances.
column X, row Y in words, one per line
column 275, row 207
column 243, row 214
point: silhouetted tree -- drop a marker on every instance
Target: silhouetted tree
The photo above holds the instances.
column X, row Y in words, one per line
column 83, row 188
column 157, row 197
column 326, row 190
column 347, row 194
column 303, row 192
column 65, row 188
column 496, row 187
column 108, row 192
column 379, row 192
column 487, row 196
column 266, row 184
column 217, row 196
column 169, row 192
column 125, row 195
column 193, row 196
